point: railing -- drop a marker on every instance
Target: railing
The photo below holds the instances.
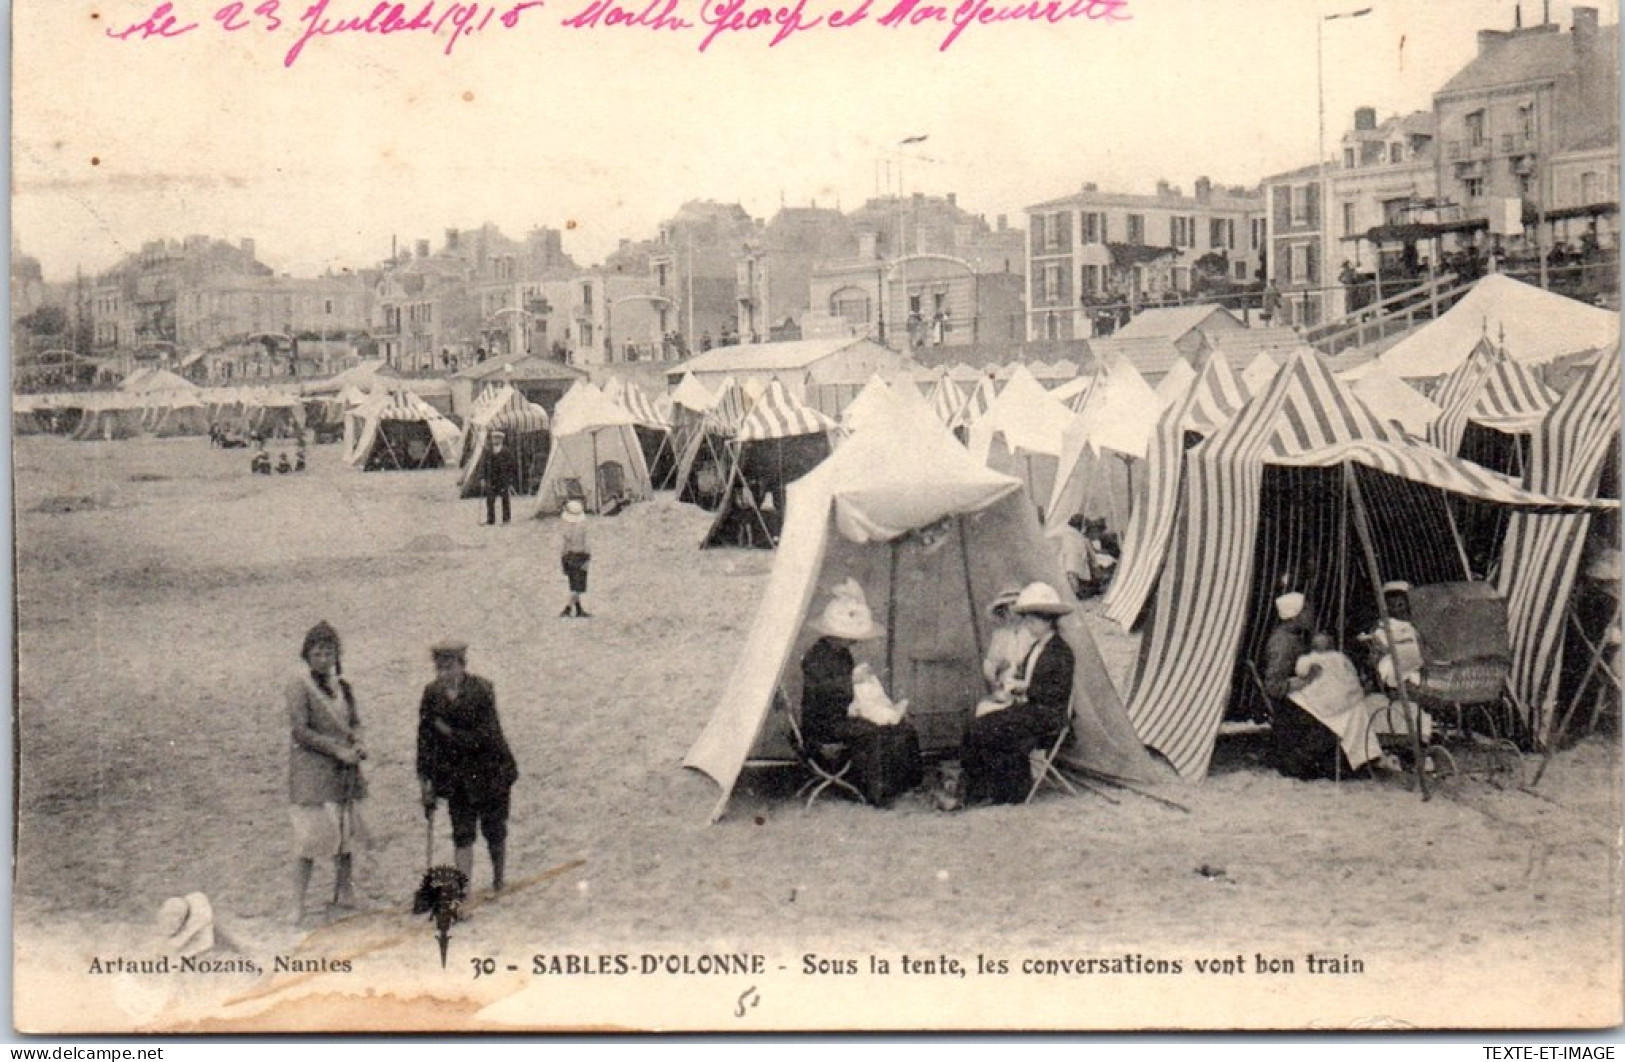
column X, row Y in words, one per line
column 1395, row 313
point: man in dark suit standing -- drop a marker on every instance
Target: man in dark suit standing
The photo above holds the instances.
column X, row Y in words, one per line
column 501, row 477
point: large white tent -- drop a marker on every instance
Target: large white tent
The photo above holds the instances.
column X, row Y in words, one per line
column 1534, row 326
column 595, row 457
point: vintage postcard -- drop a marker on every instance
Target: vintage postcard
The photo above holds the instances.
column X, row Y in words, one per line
column 815, row 515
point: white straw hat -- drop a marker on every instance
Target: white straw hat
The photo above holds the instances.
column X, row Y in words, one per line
column 847, row 615
column 1288, row 606
column 1039, row 599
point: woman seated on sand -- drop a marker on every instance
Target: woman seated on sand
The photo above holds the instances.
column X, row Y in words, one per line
column 842, row 702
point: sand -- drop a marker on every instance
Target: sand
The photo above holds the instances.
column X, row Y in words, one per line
column 162, row 593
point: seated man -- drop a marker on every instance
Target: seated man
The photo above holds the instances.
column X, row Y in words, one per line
column 1395, row 646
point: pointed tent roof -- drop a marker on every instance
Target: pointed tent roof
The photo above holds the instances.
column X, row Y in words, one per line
column 585, row 408
column 1175, row 383
column 693, row 395
column 778, row 415
column 1306, row 418
column 1392, row 399
column 1491, row 389
column 1259, row 372
column 404, row 406
column 887, row 480
column 980, row 401
column 635, row 401
column 1538, row 326
column 1120, row 411
column 1028, row 416
column 865, row 403
column 146, row 381
column 947, row 398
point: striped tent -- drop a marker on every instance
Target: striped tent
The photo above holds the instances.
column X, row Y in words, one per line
column 654, row 433
column 1488, row 407
column 400, row 431
column 1568, row 455
column 1238, row 527
column 947, row 398
column 1212, row 398
column 702, row 463
column 1259, row 372
column 1492, row 390
column 524, row 426
column 780, row 441
column 688, row 404
column 979, row 402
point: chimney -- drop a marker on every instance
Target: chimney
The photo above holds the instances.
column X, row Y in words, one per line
column 246, row 245
column 423, row 248
column 1489, row 40
column 1365, row 119
column 1517, row 17
column 1003, row 223
column 1204, row 190
column 953, row 199
column 1585, row 28
column 1163, row 190
column 451, row 239
column 1091, row 186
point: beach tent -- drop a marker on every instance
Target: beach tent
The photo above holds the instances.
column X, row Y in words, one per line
column 595, row 455
column 931, row 535
column 274, row 414
column 148, row 381
column 1488, row 407
column 358, row 377
column 780, row 441
column 654, row 433
column 1212, row 398
column 1537, row 326
column 1574, row 450
column 107, row 416
column 524, row 425
column 702, row 464
column 182, row 413
column 1105, row 441
column 1306, row 489
column 1259, row 372
column 398, row 431
column 687, row 406
column 1393, row 400
column 1175, row 383
column 26, row 414
column 1021, row 434
column 947, row 398
column 980, row 401
column 870, row 402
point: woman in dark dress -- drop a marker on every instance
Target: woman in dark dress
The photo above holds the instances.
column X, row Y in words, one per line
column 885, row 759
column 464, row 759
column 994, row 756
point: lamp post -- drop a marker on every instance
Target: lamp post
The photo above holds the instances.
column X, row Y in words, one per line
column 1324, row 221
column 902, row 245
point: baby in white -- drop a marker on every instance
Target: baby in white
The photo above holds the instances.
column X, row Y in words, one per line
column 869, row 700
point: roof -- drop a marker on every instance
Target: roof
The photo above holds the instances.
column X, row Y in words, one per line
column 1173, row 322
column 1153, row 356
column 1221, row 199
column 1533, row 54
column 767, row 357
column 530, row 367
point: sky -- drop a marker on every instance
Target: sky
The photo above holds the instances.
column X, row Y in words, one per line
column 603, row 131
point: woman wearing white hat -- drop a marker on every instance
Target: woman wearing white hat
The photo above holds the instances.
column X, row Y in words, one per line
column 1301, row 746
column 885, row 759
column 998, row 740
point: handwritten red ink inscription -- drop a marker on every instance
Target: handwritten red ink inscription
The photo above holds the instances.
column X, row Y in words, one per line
column 710, row 21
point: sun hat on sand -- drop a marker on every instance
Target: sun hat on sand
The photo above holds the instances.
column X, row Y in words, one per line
column 847, row 615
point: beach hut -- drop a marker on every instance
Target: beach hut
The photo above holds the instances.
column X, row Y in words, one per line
column 654, row 433
column 595, row 455
column 932, row 536
column 1573, row 451
column 780, row 441
column 1304, row 487
column 1105, row 441
column 524, row 425
column 398, row 431
column 1021, row 434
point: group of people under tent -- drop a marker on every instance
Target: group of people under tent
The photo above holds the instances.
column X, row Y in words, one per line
column 847, row 716
column 1323, row 721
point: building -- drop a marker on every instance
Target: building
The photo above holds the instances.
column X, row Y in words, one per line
column 135, row 307
column 1515, row 166
column 774, row 272
column 1093, row 256
column 519, row 288
column 824, row 373
column 926, row 273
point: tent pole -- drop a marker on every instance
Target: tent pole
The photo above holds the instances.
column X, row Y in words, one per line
column 1342, row 564
column 891, row 619
column 1363, row 526
column 970, row 596
column 1596, row 664
column 1455, row 536
column 597, row 496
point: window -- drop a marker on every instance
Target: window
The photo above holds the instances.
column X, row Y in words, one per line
column 1526, row 184
column 851, row 305
column 1526, row 122
column 1394, row 211
column 1182, row 278
column 1475, row 129
column 1241, row 270
column 1588, row 189
column 1348, row 158
column 586, row 298
column 1036, row 232
column 1396, row 153
column 1306, row 206
column 1182, row 231
column 1221, row 234
column 1474, row 187
column 1348, row 219
column 1091, row 279
column 1257, row 233
column 327, row 306
column 1136, row 229
column 1056, row 231
column 1094, row 227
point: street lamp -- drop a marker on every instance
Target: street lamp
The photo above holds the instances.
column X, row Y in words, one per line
column 1325, row 186
column 902, row 245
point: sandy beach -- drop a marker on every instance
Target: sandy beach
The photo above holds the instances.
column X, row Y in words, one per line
column 161, row 595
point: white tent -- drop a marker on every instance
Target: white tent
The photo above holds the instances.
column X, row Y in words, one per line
column 595, row 455
column 1022, row 434
column 1259, row 372
column 181, row 413
column 1113, row 427
column 866, row 405
column 880, row 511
column 1175, row 383
column 1534, row 326
column 1393, row 400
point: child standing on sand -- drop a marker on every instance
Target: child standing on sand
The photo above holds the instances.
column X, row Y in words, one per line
column 575, row 554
